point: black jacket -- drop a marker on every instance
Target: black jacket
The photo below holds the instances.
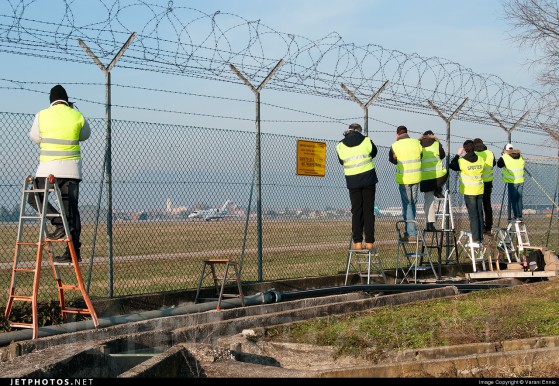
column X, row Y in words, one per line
column 470, row 157
column 361, row 180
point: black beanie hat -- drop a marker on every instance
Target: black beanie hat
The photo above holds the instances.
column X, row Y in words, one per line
column 428, row 132
column 58, row 93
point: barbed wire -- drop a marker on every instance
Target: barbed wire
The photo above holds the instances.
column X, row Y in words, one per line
column 184, row 41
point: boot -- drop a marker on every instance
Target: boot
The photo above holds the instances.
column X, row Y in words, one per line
column 66, row 258
column 57, row 234
column 358, row 246
column 369, row 246
column 430, row 227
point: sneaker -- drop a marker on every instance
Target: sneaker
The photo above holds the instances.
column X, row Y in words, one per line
column 57, row 234
column 66, row 258
column 369, row 246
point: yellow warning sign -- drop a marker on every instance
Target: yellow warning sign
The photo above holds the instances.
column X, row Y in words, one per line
column 311, row 158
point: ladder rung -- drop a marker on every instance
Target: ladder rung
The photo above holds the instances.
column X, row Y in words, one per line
column 26, row 243
column 70, row 287
column 78, row 311
column 371, row 275
column 31, row 270
column 22, row 298
column 21, row 325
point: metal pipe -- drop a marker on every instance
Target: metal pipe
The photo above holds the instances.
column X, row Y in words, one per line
column 13, row 336
column 268, row 297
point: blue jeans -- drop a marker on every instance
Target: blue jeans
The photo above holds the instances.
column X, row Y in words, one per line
column 474, row 204
column 408, row 195
column 515, row 199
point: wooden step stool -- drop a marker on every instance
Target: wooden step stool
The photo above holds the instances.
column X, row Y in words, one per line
column 229, row 266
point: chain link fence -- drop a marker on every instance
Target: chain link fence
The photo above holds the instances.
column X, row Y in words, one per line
column 167, row 183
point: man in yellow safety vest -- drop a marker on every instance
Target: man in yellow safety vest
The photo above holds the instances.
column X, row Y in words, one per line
column 406, row 154
column 513, row 175
column 433, row 175
column 356, row 153
column 471, row 186
column 58, row 130
column 490, row 161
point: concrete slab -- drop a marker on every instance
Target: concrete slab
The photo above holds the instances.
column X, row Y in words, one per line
column 517, row 274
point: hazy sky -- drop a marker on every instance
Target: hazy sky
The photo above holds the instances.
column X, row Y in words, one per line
column 472, row 33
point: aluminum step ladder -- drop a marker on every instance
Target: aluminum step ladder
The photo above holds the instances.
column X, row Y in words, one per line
column 411, row 255
column 505, row 243
column 475, row 251
column 518, row 234
column 366, row 262
column 28, row 255
column 445, row 236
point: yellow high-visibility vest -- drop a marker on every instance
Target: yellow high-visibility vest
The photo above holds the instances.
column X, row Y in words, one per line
column 60, row 128
column 471, row 182
column 356, row 159
column 431, row 164
column 513, row 172
column 408, row 157
column 488, row 158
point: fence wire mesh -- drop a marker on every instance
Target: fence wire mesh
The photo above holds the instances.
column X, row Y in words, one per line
column 167, row 188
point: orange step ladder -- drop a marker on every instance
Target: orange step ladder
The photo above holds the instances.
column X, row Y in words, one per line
column 28, row 263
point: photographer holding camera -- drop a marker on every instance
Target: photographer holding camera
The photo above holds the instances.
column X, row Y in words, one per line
column 58, row 130
column 512, row 163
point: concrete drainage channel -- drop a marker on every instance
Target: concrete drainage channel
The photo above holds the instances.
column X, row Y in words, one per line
column 192, row 342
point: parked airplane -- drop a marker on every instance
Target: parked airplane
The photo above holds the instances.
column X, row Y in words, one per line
column 211, row 214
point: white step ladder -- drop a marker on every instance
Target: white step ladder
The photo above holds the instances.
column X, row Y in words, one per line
column 444, row 212
column 366, row 262
column 475, row 251
column 505, row 243
column 518, row 234
column 445, row 219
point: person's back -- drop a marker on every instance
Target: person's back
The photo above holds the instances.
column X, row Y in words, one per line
column 471, row 186
column 489, row 163
column 433, row 174
column 512, row 163
column 405, row 153
column 355, row 154
column 58, row 130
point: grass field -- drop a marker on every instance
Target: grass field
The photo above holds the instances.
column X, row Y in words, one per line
column 158, row 256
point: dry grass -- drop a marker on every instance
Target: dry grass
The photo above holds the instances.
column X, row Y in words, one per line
column 523, row 311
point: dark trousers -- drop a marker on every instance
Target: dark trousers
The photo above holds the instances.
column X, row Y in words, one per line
column 363, row 213
column 70, row 191
column 487, row 208
column 474, row 205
